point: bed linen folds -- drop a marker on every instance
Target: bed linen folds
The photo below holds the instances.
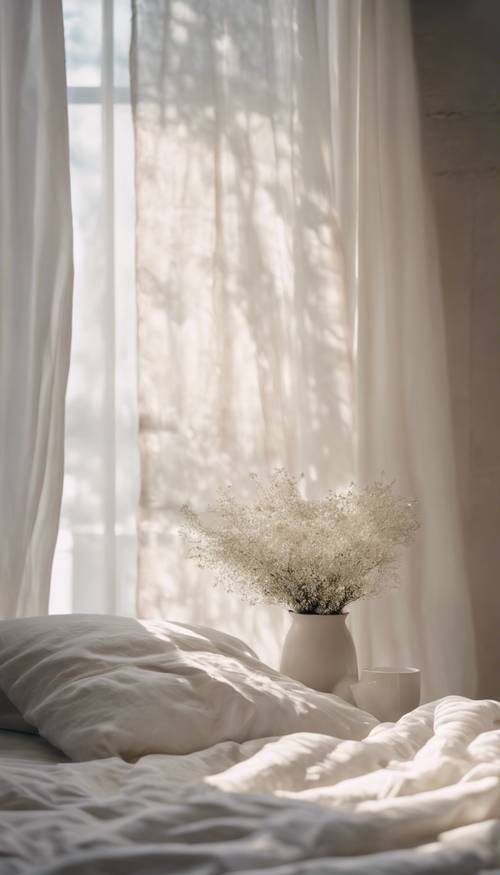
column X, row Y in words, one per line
column 419, row 796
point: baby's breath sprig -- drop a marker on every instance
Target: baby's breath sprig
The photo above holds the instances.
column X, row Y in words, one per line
column 314, row 557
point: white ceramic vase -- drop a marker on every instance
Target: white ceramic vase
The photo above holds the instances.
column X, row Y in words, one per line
column 319, row 651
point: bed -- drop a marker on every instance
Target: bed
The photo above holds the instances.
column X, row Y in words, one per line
column 128, row 795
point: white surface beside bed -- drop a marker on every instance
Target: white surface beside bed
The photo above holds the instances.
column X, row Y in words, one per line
column 422, row 795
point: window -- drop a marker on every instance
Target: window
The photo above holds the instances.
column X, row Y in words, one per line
column 95, row 562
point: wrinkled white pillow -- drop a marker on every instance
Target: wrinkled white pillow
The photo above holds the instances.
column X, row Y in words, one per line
column 10, row 717
column 98, row 686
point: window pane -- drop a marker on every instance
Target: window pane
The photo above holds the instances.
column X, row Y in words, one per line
column 122, row 24
column 83, row 40
column 85, row 395
column 80, row 550
column 95, row 560
column 126, row 425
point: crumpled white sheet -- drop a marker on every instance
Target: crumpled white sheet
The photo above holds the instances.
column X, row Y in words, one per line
column 422, row 795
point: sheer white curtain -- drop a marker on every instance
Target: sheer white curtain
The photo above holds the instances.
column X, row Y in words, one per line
column 277, row 142
column 402, row 408
column 244, row 351
column 35, row 297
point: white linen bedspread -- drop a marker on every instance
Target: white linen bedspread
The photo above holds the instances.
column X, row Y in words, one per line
column 422, row 795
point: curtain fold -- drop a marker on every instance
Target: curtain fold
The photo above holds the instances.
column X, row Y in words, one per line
column 402, row 406
column 35, row 297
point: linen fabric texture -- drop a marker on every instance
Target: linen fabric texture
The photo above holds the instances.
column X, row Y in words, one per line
column 99, row 686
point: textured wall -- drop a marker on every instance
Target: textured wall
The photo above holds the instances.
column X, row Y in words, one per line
column 458, row 59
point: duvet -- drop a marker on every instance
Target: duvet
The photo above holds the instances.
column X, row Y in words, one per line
column 332, row 792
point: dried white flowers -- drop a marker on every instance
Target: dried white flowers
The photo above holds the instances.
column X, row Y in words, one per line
column 314, row 557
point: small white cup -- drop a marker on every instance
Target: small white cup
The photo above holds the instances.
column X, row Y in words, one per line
column 387, row 692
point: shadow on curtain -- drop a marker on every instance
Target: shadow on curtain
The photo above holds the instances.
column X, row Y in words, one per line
column 271, row 137
column 244, row 352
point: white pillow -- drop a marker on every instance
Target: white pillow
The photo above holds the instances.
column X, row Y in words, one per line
column 98, row 686
column 10, row 717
